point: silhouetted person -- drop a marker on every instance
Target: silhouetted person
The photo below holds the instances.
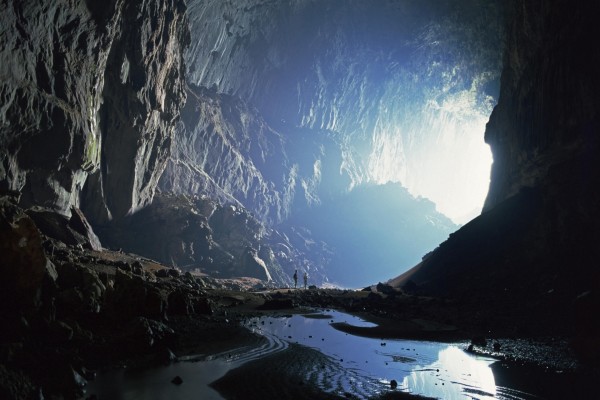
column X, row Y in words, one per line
column 295, row 279
column 305, row 280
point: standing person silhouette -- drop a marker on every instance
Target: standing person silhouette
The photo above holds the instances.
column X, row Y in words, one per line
column 305, row 280
column 295, row 279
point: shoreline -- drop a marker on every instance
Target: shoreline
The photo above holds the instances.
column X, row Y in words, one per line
column 111, row 309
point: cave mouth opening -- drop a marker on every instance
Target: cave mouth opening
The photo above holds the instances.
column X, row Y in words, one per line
column 406, row 87
column 437, row 151
column 362, row 122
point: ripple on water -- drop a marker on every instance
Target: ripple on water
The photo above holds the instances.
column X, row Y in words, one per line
column 303, row 356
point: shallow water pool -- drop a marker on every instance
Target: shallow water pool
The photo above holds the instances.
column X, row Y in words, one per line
column 359, row 366
column 367, row 366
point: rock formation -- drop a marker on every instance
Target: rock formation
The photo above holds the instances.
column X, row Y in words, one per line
column 290, row 107
column 89, row 96
column 271, row 133
column 278, row 117
column 536, row 243
column 224, row 149
column 388, row 81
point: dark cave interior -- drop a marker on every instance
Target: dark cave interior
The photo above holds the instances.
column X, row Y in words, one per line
column 158, row 156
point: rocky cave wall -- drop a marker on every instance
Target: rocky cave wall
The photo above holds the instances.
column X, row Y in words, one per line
column 280, row 110
column 89, row 94
column 352, row 71
column 547, row 114
column 537, row 240
column 225, row 149
column 281, row 92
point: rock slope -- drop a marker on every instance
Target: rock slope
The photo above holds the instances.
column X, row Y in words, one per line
column 537, row 241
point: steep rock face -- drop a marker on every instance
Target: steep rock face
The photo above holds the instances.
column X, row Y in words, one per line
column 88, row 89
column 222, row 149
column 226, row 150
column 197, row 234
column 544, row 134
column 534, row 251
column 547, row 114
column 397, row 82
column 51, row 91
column 142, row 95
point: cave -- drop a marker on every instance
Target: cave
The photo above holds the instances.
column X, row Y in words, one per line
column 176, row 175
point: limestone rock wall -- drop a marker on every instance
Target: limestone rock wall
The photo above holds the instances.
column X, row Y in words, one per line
column 536, row 243
column 389, row 78
column 225, row 149
column 89, row 94
column 547, row 114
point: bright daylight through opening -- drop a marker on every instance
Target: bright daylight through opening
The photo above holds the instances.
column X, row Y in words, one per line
column 438, row 152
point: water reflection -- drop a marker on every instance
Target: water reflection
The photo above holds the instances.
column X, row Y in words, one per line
column 427, row 368
column 363, row 367
column 454, row 375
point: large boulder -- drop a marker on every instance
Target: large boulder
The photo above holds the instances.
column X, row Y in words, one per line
column 24, row 267
column 74, row 230
column 253, row 266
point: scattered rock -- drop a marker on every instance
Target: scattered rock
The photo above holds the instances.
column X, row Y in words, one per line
column 385, row 289
column 278, row 304
column 173, row 272
column 479, row 341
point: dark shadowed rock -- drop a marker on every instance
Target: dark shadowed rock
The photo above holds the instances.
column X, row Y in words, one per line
column 132, row 296
column 385, row 289
column 143, row 333
column 203, row 306
column 278, row 304
column 80, row 224
column 180, row 303
column 23, row 265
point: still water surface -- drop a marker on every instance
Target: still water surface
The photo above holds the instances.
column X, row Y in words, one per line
column 361, row 366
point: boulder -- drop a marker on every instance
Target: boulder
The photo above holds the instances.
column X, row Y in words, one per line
column 253, row 266
column 23, row 263
column 73, row 231
column 180, row 303
column 80, row 224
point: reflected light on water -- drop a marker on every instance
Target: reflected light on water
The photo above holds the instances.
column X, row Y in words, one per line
column 367, row 365
column 361, row 366
column 473, row 374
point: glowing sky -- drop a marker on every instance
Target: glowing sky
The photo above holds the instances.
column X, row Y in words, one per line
column 436, row 149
